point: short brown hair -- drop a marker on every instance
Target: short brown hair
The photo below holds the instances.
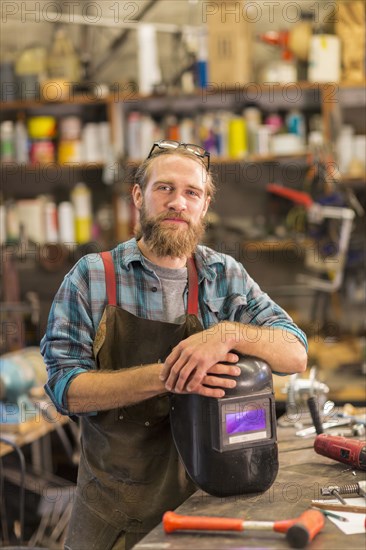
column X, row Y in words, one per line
column 143, row 171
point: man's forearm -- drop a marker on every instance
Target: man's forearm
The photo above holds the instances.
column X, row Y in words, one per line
column 98, row 391
column 279, row 347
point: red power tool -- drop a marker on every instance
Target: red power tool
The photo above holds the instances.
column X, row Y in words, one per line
column 346, row 450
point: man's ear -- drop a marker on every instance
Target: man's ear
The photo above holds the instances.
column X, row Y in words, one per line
column 137, row 196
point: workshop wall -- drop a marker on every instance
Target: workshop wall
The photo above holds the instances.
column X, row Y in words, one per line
column 33, row 23
column 244, row 213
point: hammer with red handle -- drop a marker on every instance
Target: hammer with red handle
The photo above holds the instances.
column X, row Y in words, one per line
column 299, row 531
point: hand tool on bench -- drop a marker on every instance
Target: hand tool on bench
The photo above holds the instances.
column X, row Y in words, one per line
column 343, row 449
column 358, row 488
column 299, row 531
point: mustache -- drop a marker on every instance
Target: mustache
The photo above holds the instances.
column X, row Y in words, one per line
column 175, row 215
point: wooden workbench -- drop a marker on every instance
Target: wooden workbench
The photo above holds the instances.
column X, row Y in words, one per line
column 302, row 472
column 31, row 431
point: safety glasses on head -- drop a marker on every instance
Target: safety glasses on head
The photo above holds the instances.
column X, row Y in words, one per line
column 197, row 150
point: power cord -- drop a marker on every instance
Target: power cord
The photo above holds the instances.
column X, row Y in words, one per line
column 22, row 484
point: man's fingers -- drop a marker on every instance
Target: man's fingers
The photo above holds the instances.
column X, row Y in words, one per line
column 231, row 358
column 190, row 370
column 196, row 378
column 170, row 360
column 179, row 373
column 219, row 382
column 210, row 380
column 172, row 379
column 210, row 392
column 221, row 368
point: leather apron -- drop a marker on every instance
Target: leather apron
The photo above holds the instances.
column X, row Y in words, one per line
column 129, row 472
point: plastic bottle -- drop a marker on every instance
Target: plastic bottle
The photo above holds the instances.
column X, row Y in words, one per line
column 253, row 119
column 201, row 64
column 21, row 141
column 12, row 222
column 51, row 222
column 344, row 147
column 81, row 200
column 7, row 141
column 66, row 222
column 238, row 146
column 133, row 135
column 295, row 122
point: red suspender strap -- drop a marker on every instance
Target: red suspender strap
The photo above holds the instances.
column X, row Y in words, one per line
column 192, row 287
column 110, row 281
column 110, row 278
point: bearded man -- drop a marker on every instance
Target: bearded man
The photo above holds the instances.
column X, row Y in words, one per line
column 159, row 313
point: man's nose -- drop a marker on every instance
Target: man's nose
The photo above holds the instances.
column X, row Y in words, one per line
column 177, row 202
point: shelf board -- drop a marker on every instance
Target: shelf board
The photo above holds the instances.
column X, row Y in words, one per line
column 250, row 158
column 83, row 99
column 35, row 103
column 303, row 85
column 54, row 166
column 266, row 245
column 350, row 85
column 348, row 178
column 259, row 158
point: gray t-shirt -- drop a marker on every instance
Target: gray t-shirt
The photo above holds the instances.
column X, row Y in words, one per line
column 173, row 282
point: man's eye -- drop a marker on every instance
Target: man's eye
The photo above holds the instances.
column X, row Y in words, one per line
column 164, row 188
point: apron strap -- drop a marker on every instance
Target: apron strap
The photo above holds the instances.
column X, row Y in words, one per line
column 110, row 277
column 111, row 287
column 192, row 287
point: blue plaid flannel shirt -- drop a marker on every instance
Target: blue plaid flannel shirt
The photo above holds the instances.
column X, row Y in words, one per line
column 227, row 293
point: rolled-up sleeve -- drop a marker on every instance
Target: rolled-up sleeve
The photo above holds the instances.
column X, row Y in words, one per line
column 230, row 294
column 246, row 303
column 67, row 346
column 263, row 311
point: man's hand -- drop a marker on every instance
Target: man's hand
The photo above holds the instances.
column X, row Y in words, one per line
column 187, row 366
column 214, row 386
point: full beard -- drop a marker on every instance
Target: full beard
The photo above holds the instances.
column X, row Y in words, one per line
column 174, row 240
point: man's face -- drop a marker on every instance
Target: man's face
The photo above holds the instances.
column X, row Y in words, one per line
column 173, row 206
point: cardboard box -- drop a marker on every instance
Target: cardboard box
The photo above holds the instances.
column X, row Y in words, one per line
column 351, row 28
column 229, row 43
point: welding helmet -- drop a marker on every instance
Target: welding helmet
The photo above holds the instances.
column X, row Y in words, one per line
column 229, row 445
